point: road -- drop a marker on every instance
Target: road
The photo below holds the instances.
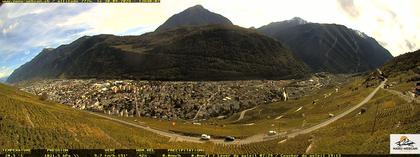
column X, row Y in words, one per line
column 403, row 96
column 159, row 132
column 207, row 102
column 252, row 139
column 243, row 114
column 333, row 119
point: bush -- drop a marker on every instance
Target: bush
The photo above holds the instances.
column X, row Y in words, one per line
column 363, row 110
column 44, row 96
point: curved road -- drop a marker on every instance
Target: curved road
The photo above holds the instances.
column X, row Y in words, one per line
column 333, row 119
column 254, row 138
column 403, row 96
column 159, row 132
column 243, row 114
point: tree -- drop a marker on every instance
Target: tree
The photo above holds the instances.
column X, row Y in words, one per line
column 44, row 96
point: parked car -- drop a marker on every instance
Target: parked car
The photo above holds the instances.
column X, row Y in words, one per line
column 229, row 138
column 205, row 137
column 271, row 132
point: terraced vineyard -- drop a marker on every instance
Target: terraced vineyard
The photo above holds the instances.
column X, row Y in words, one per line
column 369, row 132
column 27, row 122
column 404, row 110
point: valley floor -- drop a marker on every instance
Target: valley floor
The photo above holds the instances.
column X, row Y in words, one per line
column 336, row 118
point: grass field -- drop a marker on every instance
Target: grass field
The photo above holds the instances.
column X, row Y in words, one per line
column 402, row 81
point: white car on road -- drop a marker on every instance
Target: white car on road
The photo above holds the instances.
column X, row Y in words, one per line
column 205, row 137
column 271, row 132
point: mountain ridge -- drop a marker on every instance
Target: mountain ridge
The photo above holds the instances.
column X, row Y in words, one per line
column 329, row 47
column 211, row 52
column 203, row 49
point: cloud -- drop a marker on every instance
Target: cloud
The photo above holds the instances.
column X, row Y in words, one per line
column 349, row 7
column 27, row 29
column 411, row 46
column 10, row 28
column 5, row 71
column 118, row 18
column 392, row 13
column 384, row 44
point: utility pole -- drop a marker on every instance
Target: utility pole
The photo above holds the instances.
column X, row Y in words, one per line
column 374, row 121
column 136, row 100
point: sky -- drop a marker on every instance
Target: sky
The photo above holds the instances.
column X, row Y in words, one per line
column 25, row 29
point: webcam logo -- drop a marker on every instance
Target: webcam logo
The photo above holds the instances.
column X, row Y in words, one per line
column 404, row 143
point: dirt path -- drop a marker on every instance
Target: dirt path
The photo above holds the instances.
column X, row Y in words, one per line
column 243, row 114
column 111, row 138
column 207, row 102
column 254, row 138
column 403, row 96
column 28, row 119
column 309, row 148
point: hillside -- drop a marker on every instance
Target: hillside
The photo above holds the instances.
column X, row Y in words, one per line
column 212, row 52
column 403, row 72
column 403, row 64
column 193, row 16
column 329, row 47
column 27, row 122
column 368, row 133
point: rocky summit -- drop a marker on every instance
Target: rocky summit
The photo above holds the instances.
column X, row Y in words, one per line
column 193, row 16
